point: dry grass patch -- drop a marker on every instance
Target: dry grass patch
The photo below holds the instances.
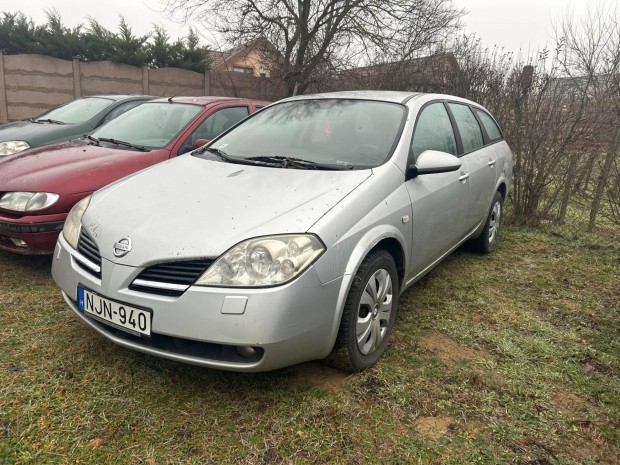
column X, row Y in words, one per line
column 433, row 427
column 314, row 375
column 451, row 352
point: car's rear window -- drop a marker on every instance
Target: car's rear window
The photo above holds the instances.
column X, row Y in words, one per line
column 489, row 125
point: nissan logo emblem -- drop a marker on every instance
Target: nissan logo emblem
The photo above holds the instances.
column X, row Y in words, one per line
column 122, row 247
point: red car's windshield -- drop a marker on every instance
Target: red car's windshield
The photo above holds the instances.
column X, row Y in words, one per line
column 151, row 125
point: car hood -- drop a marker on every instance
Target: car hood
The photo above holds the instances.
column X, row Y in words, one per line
column 41, row 133
column 68, row 168
column 196, row 208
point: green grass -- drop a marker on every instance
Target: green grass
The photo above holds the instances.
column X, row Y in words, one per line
column 508, row 358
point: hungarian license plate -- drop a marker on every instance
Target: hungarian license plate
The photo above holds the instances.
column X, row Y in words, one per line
column 131, row 319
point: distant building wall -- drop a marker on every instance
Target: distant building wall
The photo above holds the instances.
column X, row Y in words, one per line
column 250, row 62
column 32, row 84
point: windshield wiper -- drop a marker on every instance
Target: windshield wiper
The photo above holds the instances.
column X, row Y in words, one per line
column 220, row 153
column 53, row 121
column 232, row 159
column 94, row 139
column 292, row 162
column 126, row 144
column 277, row 161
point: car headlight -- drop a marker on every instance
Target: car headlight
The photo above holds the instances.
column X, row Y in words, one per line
column 13, row 146
column 73, row 223
column 28, row 201
column 265, row 261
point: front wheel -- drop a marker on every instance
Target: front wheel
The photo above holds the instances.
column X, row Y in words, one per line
column 487, row 241
column 369, row 314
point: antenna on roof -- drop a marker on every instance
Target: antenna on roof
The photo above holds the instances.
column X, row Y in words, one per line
column 175, row 95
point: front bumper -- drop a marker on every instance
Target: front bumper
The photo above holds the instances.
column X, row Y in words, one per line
column 286, row 325
column 36, row 234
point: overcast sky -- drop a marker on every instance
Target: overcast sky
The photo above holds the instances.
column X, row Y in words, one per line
column 512, row 24
column 520, row 24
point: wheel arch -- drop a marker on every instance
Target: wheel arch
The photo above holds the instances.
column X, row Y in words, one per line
column 502, row 189
column 384, row 237
column 395, row 249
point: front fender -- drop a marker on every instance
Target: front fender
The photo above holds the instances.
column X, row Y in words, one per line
column 367, row 242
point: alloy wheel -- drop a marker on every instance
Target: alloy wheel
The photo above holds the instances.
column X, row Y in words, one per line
column 374, row 312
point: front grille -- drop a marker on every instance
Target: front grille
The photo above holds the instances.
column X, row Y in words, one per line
column 90, row 251
column 171, row 279
column 30, row 228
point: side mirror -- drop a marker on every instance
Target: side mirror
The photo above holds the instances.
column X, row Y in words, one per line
column 199, row 143
column 433, row 161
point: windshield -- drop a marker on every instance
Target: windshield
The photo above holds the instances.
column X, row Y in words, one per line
column 78, row 111
column 151, row 125
column 337, row 132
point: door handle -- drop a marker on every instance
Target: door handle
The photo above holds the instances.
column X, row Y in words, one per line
column 463, row 176
column 491, row 163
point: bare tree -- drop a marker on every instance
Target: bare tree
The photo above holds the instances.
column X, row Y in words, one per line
column 313, row 36
column 538, row 114
column 592, row 57
column 560, row 113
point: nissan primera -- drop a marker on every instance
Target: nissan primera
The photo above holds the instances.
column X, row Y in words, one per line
column 290, row 237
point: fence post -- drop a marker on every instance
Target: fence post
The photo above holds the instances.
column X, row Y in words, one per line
column 77, row 78
column 4, row 114
column 145, row 80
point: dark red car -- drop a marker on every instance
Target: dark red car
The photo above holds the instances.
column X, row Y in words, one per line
column 38, row 187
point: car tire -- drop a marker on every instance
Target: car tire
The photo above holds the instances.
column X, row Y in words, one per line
column 487, row 241
column 370, row 310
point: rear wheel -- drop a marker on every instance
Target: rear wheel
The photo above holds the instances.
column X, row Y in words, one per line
column 369, row 314
column 487, row 241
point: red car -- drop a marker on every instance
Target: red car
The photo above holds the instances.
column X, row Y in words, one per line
column 38, row 187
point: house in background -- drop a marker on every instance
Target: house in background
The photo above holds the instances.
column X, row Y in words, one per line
column 253, row 58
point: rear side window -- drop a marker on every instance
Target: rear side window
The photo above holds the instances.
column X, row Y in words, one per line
column 433, row 131
column 471, row 134
column 219, row 122
column 489, row 126
column 214, row 125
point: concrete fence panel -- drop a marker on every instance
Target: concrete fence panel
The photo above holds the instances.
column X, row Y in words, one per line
column 35, row 83
column 105, row 77
column 32, row 84
column 167, row 82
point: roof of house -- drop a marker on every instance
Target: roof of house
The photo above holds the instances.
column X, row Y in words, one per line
column 220, row 58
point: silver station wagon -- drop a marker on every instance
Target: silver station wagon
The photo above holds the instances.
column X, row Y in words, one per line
column 290, row 237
